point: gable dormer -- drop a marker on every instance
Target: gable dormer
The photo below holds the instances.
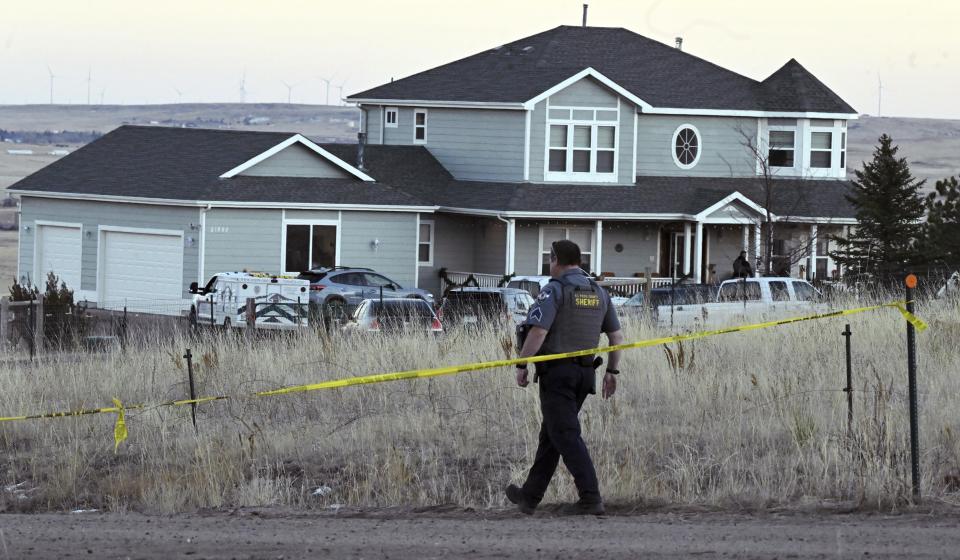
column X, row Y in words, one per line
column 297, row 156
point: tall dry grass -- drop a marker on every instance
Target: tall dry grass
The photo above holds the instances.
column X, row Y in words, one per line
column 742, row 420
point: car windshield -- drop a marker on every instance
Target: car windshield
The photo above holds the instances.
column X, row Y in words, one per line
column 635, row 301
column 804, row 291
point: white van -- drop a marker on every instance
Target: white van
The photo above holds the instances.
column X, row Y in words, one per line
column 280, row 302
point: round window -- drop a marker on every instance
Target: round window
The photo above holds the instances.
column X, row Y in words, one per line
column 686, row 146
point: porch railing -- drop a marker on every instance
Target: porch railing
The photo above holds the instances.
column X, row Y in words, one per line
column 628, row 286
column 483, row 280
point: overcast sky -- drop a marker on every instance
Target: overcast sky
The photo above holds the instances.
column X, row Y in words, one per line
column 143, row 52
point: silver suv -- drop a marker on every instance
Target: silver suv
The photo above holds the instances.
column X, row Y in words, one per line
column 337, row 291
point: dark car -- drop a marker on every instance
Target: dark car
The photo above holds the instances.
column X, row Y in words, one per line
column 467, row 306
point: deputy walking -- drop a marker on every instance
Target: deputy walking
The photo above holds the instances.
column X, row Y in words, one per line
column 569, row 315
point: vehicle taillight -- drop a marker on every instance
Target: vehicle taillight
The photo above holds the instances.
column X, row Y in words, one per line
column 440, row 313
column 375, row 325
column 436, row 325
column 316, row 287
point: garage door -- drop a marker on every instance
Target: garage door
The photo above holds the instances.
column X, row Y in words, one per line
column 58, row 250
column 142, row 272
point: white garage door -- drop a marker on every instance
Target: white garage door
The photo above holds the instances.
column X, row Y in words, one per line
column 142, row 272
column 58, row 250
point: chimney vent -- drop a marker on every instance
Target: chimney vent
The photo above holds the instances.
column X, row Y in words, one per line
column 585, row 6
column 680, row 43
column 361, row 142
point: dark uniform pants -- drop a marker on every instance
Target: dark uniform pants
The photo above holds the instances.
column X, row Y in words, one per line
column 563, row 388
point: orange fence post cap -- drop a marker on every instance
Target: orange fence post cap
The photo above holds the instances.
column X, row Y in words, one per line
column 911, row 280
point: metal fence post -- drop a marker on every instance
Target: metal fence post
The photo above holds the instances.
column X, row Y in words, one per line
column 847, row 333
column 911, row 284
column 38, row 327
column 193, row 394
column 4, row 321
column 251, row 314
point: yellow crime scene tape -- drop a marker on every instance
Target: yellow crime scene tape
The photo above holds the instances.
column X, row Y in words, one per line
column 120, row 428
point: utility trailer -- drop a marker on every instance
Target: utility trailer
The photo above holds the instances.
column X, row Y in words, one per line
column 279, row 302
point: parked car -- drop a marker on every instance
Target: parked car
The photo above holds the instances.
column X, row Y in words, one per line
column 339, row 290
column 479, row 305
column 531, row 284
column 398, row 314
column 280, row 302
column 637, row 306
column 748, row 299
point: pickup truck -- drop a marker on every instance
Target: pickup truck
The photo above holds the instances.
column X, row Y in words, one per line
column 746, row 300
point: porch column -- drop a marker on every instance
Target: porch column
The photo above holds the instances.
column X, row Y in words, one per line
column 746, row 238
column 511, row 251
column 686, row 248
column 756, row 248
column 598, row 250
column 812, row 273
column 698, row 255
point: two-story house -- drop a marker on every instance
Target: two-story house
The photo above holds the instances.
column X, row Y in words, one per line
column 653, row 160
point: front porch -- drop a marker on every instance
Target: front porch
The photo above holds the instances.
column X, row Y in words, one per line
column 701, row 248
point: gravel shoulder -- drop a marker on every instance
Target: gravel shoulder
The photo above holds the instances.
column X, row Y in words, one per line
column 457, row 533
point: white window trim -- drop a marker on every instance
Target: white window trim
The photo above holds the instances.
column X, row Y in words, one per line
column 396, row 117
column 566, row 235
column 838, row 128
column 296, row 222
column 673, row 146
column 426, row 123
column 591, row 176
column 796, row 136
column 433, row 237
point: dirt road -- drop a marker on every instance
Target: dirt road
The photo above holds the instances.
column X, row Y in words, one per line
column 464, row 534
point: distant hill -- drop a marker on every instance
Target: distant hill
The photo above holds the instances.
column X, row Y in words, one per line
column 932, row 146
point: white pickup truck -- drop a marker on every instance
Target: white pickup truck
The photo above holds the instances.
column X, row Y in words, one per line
column 746, row 300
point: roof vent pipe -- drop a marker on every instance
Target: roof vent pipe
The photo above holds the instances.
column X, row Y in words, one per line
column 361, row 142
column 679, row 43
column 585, row 6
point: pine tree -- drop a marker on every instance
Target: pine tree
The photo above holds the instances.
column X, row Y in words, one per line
column 941, row 239
column 888, row 211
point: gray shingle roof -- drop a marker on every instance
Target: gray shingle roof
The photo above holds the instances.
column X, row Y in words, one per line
column 185, row 164
column 661, row 75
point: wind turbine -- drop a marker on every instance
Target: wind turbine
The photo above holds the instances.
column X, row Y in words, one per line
column 50, row 71
column 243, row 86
column 89, row 76
column 340, row 92
column 179, row 95
column 103, row 91
column 327, row 81
column 289, row 90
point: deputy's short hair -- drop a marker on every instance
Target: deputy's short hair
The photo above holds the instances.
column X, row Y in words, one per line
column 566, row 252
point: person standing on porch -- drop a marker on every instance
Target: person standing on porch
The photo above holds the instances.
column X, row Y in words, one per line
column 741, row 266
column 569, row 315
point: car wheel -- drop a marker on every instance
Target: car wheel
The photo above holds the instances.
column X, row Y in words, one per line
column 193, row 318
column 334, row 312
column 227, row 324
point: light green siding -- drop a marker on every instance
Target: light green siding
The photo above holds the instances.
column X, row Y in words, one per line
column 452, row 248
column 584, row 93
column 527, row 248
column 723, row 152
column 296, row 160
column 396, row 253
column 95, row 214
column 639, row 246
column 242, row 239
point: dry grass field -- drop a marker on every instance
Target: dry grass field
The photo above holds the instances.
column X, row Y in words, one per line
column 748, row 421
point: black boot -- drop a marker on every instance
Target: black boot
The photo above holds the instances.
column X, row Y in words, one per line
column 584, row 508
column 515, row 495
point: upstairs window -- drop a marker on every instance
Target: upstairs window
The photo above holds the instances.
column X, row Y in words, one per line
column 420, row 126
column 390, row 117
column 820, row 150
column 782, row 146
column 582, row 144
column 686, row 146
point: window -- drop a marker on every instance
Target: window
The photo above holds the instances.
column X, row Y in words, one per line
column 843, row 151
column 740, row 291
column 779, row 291
column 310, row 246
column 390, row 117
column 804, row 291
column 425, row 247
column 582, row 144
column 820, row 150
column 686, row 146
column 420, row 126
column 583, row 237
column 781, row 148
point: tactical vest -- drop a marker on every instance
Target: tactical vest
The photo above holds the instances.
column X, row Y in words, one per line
column 580, row 314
